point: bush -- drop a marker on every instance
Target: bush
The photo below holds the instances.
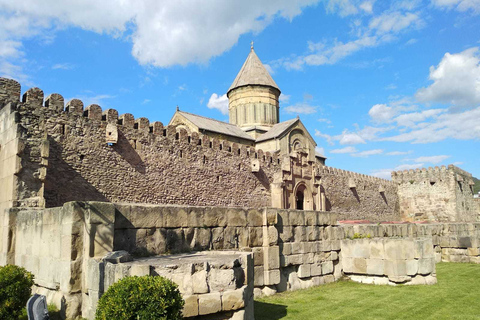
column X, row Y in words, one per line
column 15, row 290
column 143, row 298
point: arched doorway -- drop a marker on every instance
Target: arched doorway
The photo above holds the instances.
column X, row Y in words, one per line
column 300, row 197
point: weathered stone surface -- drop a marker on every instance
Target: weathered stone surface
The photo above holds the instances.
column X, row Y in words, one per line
column 209, row 303
column 233, row 299
column 190, row 309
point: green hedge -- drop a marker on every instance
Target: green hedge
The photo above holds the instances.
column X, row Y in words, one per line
column 15, row 290
column 145, row 298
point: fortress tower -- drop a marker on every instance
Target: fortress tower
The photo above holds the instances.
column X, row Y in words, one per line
column 253, row 98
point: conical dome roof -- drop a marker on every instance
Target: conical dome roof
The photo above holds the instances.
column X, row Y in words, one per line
column 253, row 72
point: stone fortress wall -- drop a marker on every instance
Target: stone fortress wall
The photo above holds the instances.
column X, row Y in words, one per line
column 436, row 194
column 64, row 157
column 275, row 249
column 355, row 196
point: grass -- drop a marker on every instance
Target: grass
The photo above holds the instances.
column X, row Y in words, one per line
column 455, row 296
column 53, row 312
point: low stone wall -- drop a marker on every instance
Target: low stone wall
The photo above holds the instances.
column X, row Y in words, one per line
column 389, row 260
column 212, row 283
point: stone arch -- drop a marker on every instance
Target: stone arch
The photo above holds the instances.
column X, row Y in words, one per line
column 296, row 140
column 303, row 197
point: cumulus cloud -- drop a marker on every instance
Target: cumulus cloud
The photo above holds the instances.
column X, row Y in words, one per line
column 432, row 159
column 301, row 108
column 461, row 126
column 344, row 150
column 367, row 153
column 218, row 102
column 456, row 80
column 398, row 153
column 351, row 138
column 163, row 33
column 382, row 173
column 459, row 5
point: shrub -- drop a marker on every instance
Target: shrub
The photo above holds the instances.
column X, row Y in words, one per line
column 15, row 290
column 145, row 298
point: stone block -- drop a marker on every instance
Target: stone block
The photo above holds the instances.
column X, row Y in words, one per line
column 214, row 217
column 255, row 218
column 258, row 278
column 376, row 267
column 329, row 278
column 417, row 280
column 311, row 218
column 209, row 303
column 412, row 267
column 255, row 236
column 377, row 250
column 233, row 299
column 426, row 266
column 395, row 268
column 271, row 257
column 327, row 267
column 304, row 271
column 257, row 256
column 236, row 217
column 335, row 245
column 300, row 234
column 270, row 236
column 316, row 269
column 311, row 233
column 286, row 233
column 140, row 270
column 286, row 248
column 297, row 218
column 394, row 249
column 294, row 259
column 473, row 251
column 271, row 277
column 199, row 282
column 270, row 217
column 190, row 309
column 221, row 279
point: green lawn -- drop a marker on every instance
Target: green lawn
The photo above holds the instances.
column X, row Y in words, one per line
column 455, row 296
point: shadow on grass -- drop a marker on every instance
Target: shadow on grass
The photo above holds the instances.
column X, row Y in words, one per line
column 269, row 311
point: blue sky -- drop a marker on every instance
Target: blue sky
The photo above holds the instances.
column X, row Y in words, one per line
column 380, row 85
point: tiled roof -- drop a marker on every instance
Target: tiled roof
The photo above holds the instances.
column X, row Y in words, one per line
column 204, row 123
column 277, row 130
column 253, row 72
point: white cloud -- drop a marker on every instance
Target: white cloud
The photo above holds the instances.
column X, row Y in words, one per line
column 459, row 5
column 325, row 136
column 398, row 153
column 284, row 98
column 382, row 113
column 63, row 66
column 324, row 120
column 367, row 153
column 408, row 166
column 394, row 22
column 350, row 138
column 344, row 150
column 411, row 119
column 382, row 173
column 461, row 126
column 301, row 108
column 218, row 102
column 432, row 159
column 163, row 33
column 367, row 6
column 456, row 80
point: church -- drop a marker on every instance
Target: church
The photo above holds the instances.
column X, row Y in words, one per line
column 254, row 116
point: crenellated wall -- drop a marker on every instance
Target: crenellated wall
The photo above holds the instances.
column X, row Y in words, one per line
column 436, row 194
column 355, row 196
column 66, row 157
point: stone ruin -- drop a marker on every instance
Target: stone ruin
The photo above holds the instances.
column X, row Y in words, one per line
column 88, row 197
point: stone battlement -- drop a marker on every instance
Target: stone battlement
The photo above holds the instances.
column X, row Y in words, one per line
column 351, row 174
column 432, row 174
